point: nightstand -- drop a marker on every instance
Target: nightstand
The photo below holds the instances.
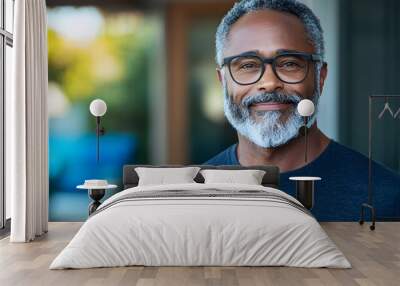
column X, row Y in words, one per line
column 305, row 190
column 96, row 193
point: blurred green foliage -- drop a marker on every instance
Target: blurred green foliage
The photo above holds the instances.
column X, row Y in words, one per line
column 113, row 67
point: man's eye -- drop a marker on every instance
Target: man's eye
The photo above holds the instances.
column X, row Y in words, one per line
column 290, row 65
column 247, row 66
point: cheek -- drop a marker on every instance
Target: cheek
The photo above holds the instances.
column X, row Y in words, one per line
column 309, row 88
column 304, row 89
column 237, row 91
column 309, row 84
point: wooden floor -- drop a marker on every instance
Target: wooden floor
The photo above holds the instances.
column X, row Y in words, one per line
column 374, row 255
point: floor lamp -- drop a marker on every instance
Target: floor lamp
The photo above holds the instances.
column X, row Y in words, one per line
column 305, row 185
column 98, row 108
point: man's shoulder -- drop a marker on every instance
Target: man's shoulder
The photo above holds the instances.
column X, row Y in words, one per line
column 342, row 152
column 346, row 156
column 226, row 157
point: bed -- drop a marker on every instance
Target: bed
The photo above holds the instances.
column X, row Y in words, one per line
column 201, row 224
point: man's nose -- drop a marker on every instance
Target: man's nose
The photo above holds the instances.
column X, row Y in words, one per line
column 269, row 82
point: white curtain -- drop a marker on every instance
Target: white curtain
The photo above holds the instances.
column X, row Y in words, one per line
column 26, row 124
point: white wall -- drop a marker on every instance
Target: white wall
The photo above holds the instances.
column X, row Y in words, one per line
column 8, row 82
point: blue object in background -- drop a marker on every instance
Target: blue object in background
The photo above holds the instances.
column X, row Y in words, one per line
column 73, row 160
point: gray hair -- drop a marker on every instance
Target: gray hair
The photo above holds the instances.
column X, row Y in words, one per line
column 305, row 14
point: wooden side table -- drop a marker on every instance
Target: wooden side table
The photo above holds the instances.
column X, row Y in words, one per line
column 96, row 193
column 305, row 190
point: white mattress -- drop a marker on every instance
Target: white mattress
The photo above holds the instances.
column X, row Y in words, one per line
column 200, row 231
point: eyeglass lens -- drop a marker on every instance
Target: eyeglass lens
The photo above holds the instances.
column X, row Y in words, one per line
column 288, row 68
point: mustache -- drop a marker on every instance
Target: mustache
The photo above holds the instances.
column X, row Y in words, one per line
column 271, row 97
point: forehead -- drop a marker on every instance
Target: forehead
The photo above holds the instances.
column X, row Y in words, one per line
column 267, row 31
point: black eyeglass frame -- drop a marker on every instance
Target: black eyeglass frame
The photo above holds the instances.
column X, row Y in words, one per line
column 307, row 56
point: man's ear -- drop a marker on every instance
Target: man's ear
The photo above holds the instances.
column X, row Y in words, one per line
column 220, row 75
column 323, row 75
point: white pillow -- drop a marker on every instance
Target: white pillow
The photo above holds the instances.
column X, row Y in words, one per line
column 162, row 176
column 248, row 177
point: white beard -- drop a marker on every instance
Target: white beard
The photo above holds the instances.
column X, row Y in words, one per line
column 268, row 130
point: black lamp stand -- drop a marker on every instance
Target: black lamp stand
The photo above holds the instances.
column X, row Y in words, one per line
column 99, row 132
column 305, row 138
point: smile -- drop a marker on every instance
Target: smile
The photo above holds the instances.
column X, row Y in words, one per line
column 269, row 106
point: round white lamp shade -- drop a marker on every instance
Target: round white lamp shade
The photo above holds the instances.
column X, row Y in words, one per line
column 306, row 107
column 98, row 107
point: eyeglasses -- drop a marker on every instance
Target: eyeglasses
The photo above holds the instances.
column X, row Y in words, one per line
column 291, row 67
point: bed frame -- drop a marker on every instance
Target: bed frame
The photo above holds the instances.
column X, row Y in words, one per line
column 270, row 179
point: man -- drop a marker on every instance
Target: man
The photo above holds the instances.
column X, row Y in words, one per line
column 270, row 56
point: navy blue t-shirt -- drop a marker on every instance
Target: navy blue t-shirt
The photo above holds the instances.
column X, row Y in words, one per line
column 344, row 184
